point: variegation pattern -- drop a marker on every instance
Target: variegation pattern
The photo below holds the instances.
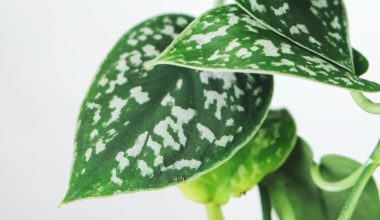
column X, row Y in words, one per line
column 142, row 129
column 228, row 39
column 318, row 25
column 264, row 154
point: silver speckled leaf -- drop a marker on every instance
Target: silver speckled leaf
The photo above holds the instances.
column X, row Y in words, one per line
column 143, row 129
column 319, row 25
column 228, row 39
column 265, row 153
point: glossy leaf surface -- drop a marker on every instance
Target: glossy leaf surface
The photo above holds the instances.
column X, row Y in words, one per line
column 143, row 129
column 264, row 154
column 295, row 196
column 318, row 25
column 228, row 39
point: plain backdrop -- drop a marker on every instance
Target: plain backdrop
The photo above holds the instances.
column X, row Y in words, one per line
column 49, row 52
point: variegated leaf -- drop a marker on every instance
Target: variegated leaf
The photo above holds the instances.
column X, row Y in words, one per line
column 295, row 196
column 142, row 129
column 228, row 39
column 265, row 153
column 318, row 25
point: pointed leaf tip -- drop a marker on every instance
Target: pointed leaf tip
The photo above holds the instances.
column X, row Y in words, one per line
column 228, row 39
column 141, row 130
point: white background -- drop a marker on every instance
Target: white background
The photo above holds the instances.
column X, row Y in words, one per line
column 49, row 52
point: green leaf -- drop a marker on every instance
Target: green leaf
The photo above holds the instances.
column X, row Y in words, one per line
column 264, row 154
column 318, row 25
column 228, row 39
column 361, row 63
column 334, row 168
column 295, row 196
column 143, row 129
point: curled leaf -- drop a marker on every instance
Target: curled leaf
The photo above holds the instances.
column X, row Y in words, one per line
column 361, row 63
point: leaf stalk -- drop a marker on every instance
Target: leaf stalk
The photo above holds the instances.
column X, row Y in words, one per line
column 214, row 212
column 365, row 104
column 265, row 202
column 337, row 186
column 285, row 210
column 353, row 199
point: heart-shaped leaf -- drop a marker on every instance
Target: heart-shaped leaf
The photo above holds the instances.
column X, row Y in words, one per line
column 143, row 129
column 228, row 39
column 264, row 154
column 318, row 25
column 294, row 195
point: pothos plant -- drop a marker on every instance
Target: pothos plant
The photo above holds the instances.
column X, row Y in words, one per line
column 184, row 101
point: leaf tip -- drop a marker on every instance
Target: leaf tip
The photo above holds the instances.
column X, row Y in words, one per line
column 66, row 200
column 62, row 203
column 69, row 197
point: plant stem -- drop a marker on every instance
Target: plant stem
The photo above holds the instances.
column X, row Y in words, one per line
column 350, row 205
column 366, row 104
column 219, row 3
column 337, row 186
column 353, row 199
column 285, row 209
column 265, row 202
column 375, row 156
column 214, row 212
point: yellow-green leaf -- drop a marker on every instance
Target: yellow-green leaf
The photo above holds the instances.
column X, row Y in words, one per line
column 264, row 154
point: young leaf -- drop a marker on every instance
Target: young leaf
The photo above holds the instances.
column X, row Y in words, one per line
column 228, row 39
column 142, row 129
column 295, row 196
column 264, row 154
column 318, row 25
